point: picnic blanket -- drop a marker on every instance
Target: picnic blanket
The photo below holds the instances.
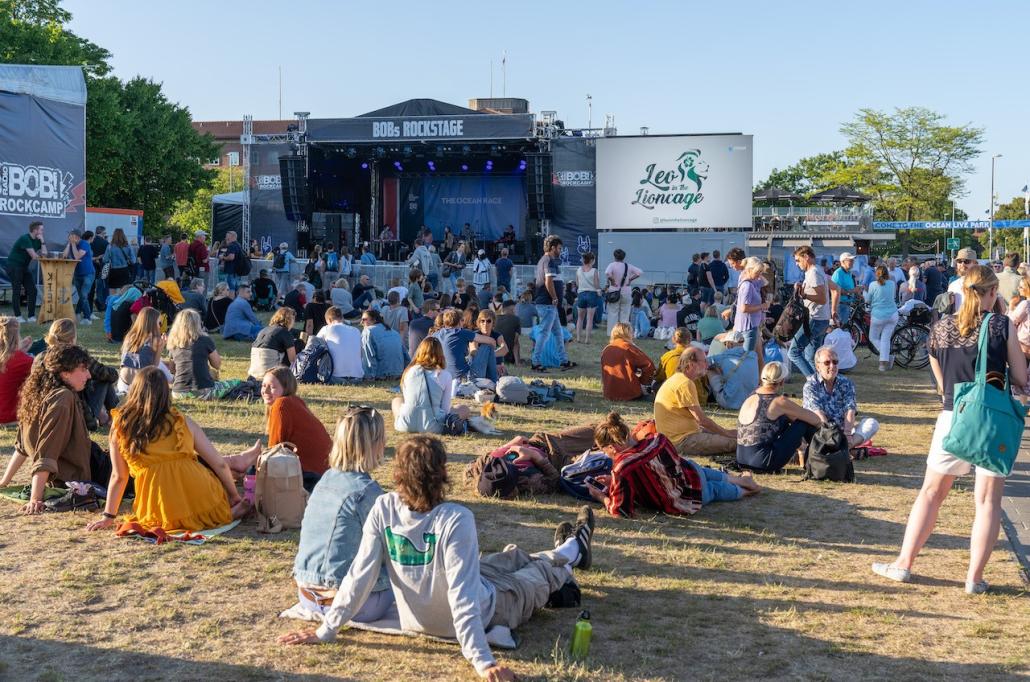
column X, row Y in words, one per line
column 158, row 536
column 21, row 493
column 499, row 635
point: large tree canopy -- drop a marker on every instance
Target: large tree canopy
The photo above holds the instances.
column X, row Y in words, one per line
column 141, row 151
column 909, row 160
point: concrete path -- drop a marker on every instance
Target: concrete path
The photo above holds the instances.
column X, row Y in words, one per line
column 1015, row 518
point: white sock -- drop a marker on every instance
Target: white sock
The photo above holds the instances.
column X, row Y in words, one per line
column 569, row 550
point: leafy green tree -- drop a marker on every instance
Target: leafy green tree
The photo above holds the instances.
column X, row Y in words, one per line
column 1010, row 238
column 809, row 175
column 909, row 161
column 141, row 151
column 194, row 214
column 158, row 153
column 33, row 32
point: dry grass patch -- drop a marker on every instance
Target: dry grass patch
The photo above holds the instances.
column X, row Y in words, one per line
column 776, row 586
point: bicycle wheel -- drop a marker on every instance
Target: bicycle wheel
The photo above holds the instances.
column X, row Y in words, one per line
column 908, row 345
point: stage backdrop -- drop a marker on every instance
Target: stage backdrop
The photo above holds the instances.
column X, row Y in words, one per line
column 268, row 221
column 575, row 209
column 42, row 151
column 489, row 204
column 674, row 181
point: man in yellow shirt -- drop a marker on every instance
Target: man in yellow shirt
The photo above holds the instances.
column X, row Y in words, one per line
column 679, row 416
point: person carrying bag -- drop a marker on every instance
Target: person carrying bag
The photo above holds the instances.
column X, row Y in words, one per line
column 986, row 422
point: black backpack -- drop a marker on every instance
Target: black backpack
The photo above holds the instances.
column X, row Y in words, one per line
column 314, row 364
column 793, row 318
column 828, row 456
column 243, row 264
column 280, row 261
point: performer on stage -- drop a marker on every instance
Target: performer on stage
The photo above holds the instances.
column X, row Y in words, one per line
column 386, row 242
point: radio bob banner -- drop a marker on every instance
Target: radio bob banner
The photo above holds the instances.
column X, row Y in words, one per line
column 674, row 181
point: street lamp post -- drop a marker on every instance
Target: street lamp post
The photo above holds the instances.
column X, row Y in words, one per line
column 953, row 226
column 990, row 229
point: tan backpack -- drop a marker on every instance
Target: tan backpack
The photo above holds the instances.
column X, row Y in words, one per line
column 279, row 495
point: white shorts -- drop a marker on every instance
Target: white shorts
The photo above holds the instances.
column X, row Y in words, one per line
column 942, row 461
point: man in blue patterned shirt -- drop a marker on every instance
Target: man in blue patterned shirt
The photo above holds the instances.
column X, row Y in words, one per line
column 832, row 397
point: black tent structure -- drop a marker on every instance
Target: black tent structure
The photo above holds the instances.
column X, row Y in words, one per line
column 775, row 194
column 841, row 194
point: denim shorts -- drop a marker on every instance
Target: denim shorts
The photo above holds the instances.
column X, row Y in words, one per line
column 588, row 299
column 751, row 337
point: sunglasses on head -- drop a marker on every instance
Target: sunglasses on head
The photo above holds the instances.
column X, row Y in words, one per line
column 355, row 409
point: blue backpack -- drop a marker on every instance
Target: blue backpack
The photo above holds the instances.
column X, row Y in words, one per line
column 314, row 364
column 332, row 261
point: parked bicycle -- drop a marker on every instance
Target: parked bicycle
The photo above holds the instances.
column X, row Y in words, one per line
column 908, row 342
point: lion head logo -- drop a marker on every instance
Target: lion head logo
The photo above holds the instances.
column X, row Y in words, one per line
column 691, row 166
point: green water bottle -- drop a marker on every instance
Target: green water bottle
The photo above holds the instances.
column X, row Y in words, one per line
column 581, row 635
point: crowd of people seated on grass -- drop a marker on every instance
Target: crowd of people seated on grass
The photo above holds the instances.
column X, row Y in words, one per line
column 363, row 552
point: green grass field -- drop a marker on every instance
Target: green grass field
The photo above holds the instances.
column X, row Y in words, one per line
column 775, row 586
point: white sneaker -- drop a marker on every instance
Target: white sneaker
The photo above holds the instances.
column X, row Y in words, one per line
column 86, row 321
column 22, row 320
column 977, row 588
column 32, row 319
column 901, row 575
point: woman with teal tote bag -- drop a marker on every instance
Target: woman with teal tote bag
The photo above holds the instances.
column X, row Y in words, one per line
column 955, row 346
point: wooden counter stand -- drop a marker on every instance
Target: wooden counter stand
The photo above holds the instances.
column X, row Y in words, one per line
column 57, row 276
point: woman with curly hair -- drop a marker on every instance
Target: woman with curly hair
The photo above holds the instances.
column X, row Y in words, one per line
column 52, row 433
column 161, row 449
column 430, row 549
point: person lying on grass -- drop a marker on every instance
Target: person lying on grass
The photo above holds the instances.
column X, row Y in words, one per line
column 161, row 449
column 442, row 586
column 625, row 488
column 335, row 514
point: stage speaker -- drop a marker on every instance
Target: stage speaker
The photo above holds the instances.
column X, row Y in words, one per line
column 296, row 200
column 539, row 190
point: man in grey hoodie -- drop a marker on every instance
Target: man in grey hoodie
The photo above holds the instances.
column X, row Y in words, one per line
column 431, row 551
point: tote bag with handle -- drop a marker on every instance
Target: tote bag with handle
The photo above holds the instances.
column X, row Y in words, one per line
column 987, row 422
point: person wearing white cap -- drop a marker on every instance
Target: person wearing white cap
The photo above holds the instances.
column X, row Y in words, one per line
column 845, row 295
column 281, row 262
column 481, row 269
column 733, row 373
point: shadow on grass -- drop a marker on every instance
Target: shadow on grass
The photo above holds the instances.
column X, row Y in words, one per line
column 58, row 661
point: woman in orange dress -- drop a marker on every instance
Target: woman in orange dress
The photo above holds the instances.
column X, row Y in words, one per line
column 161, row 449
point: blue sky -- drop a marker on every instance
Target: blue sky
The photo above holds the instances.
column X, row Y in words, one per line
column 787, row 72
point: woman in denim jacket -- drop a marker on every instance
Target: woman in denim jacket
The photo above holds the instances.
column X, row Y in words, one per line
column 331, row 530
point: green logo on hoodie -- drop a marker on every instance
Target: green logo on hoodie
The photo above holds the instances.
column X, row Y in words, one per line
column 403, row 551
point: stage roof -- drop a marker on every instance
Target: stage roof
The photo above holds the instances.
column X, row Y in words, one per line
column 420, row 107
